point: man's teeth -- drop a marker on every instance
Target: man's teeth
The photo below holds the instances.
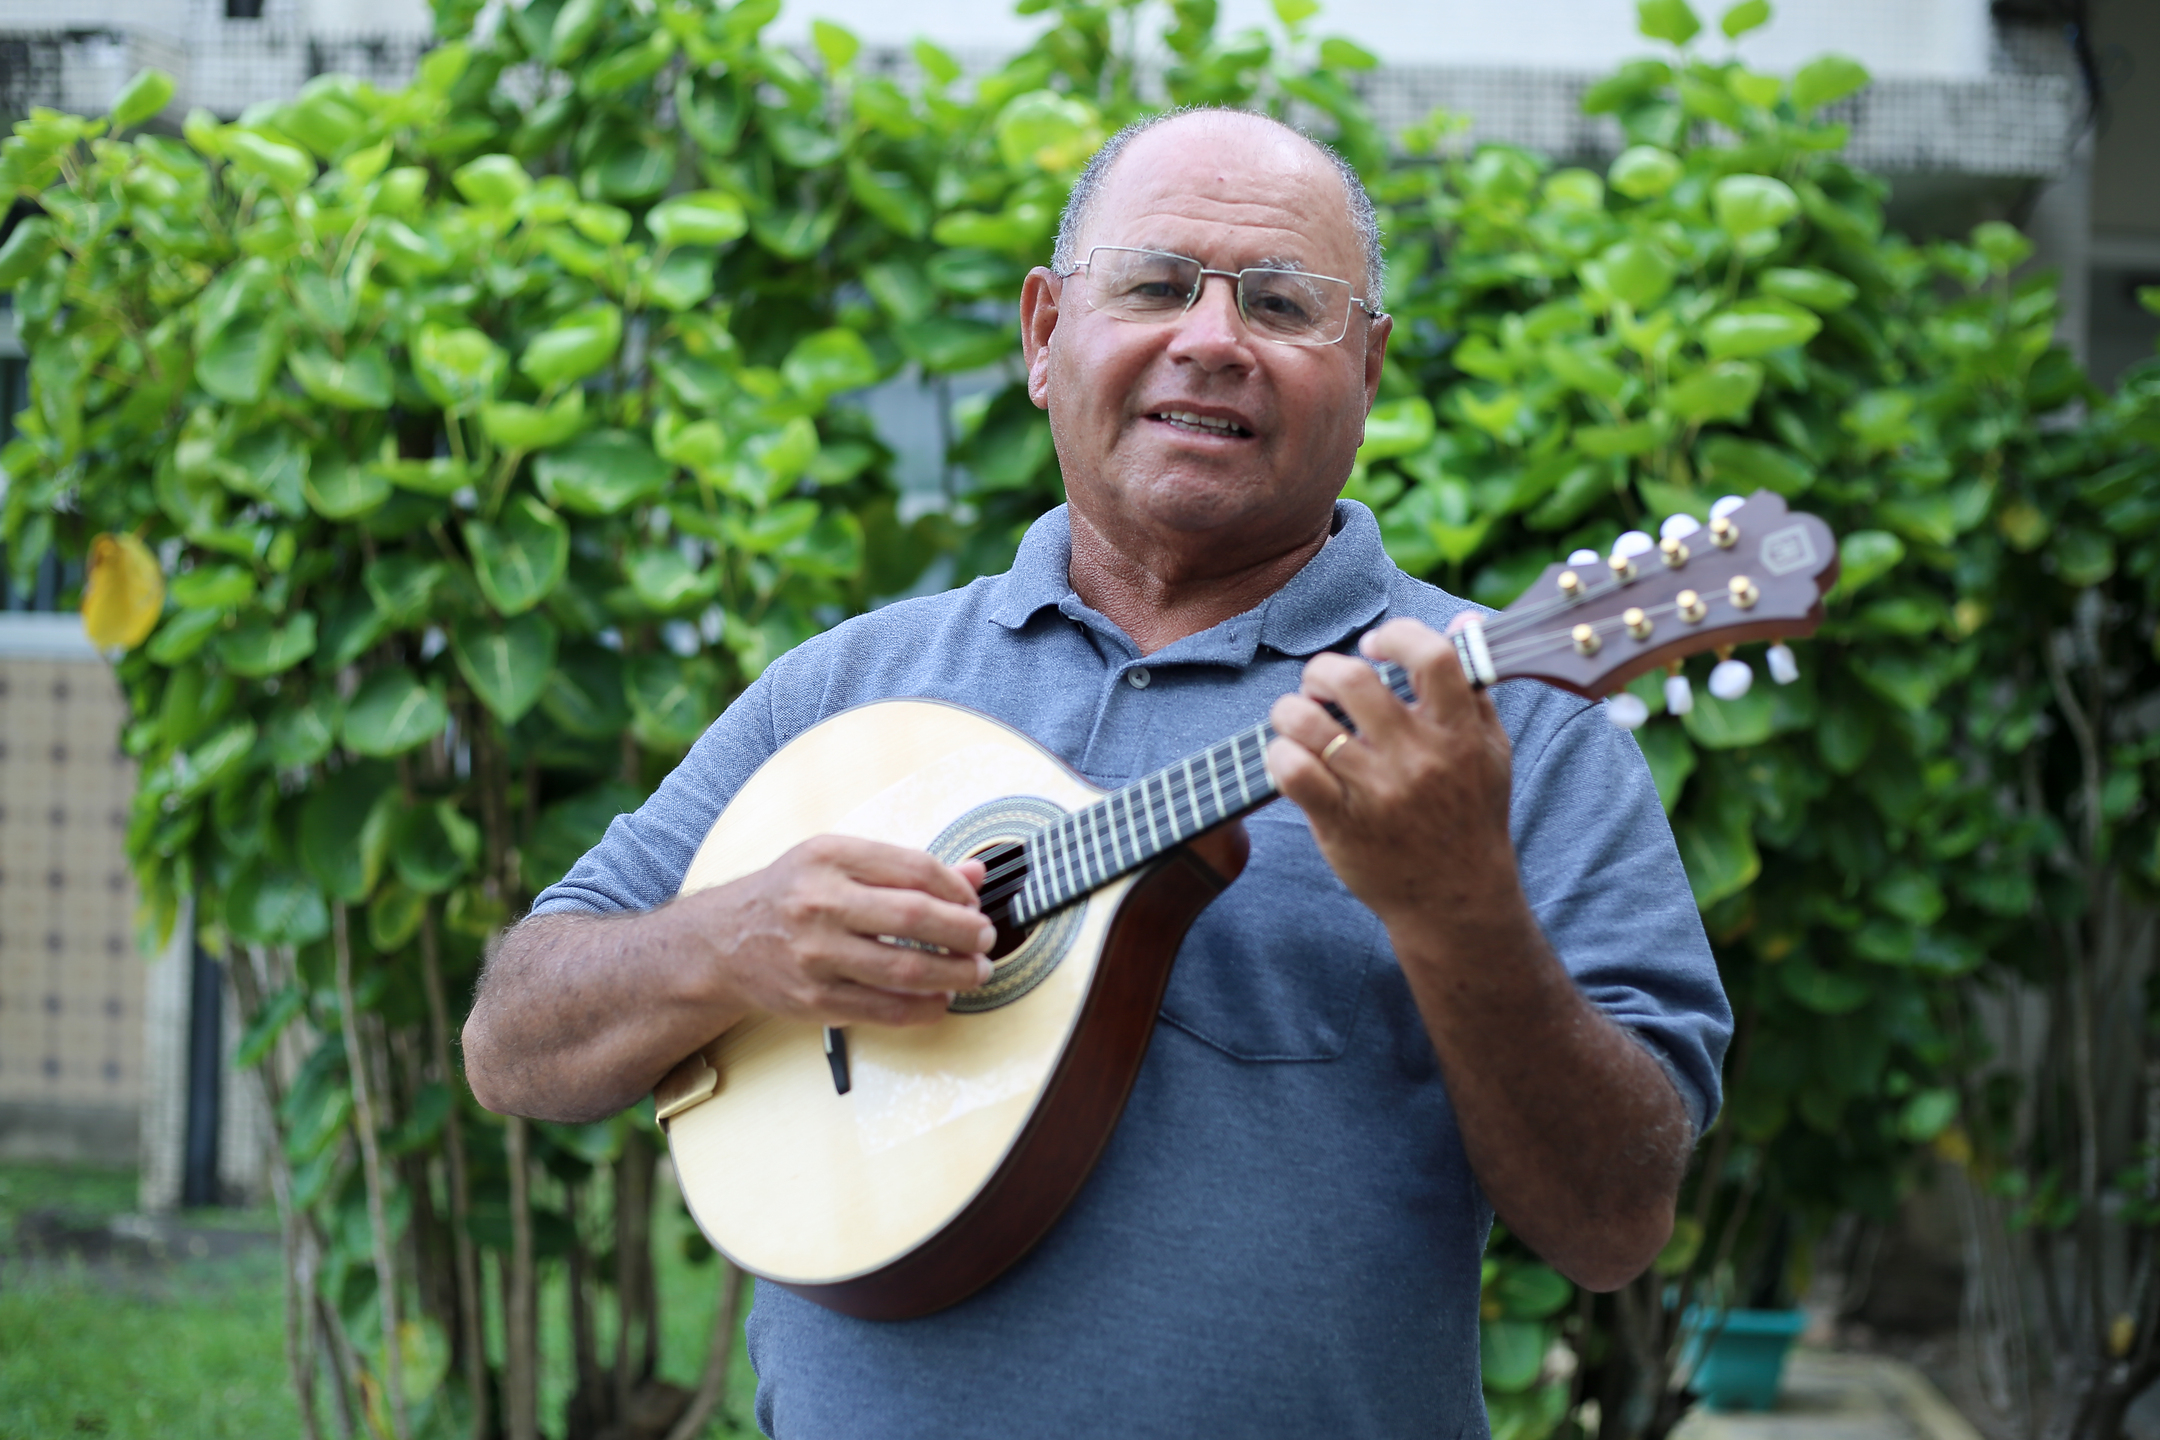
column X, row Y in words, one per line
column 1202, row 422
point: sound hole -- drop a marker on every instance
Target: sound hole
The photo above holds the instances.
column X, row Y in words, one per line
column 1006, row 863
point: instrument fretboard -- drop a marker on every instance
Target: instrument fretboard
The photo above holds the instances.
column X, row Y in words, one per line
column 1127, row 828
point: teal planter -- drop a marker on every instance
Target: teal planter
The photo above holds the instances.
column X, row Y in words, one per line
column 1739, row 1357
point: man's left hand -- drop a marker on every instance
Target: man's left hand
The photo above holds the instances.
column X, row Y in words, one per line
column 1411, row 811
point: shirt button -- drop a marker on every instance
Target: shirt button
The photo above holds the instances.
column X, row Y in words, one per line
column 1137, row 677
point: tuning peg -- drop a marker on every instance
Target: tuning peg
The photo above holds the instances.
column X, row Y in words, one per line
column 1678, row 527
column 1632, row 543
column 1731, row 679
column 1626, row 711
column 1783, row 667
column 1679, row 695
column 1724, row 505
column 1583, row 557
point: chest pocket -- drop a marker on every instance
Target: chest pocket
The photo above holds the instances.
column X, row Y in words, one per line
column 1275, row 968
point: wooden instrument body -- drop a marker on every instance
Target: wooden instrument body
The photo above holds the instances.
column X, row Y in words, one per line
column 959, row 1143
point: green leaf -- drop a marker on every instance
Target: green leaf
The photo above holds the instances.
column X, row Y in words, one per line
column 2082, row 557
column 575, row 348
column 1532, row 1292
column 627, row 67
column 890, row 196
column 1607, row 441
column 664, row 581
column 586, row 693
column 359, row 381
column 1819, row 290
column 433, row 846
column 1672, row 760
column 1720, row 856
column 702, row 217
column 828, row 362
column 1822, row 991
column 1724, row 391
column 671, row 700
column 1580, row 367
column 238, row 364
column 952, row 344
column 285, row 167
column 1757, row 327
column 26, row 249
column 507, row 667
column 1718, row 724
column 1396, row 428
column 1637, row 272
column 300, row 735
column 497, row 181
column 1337, row 53
column 393, row 712
column 276, row 905
column 179, row 637
column 519, row 560
column 141, row 98
column 1743, row 17
column 601, row 473
column 269, row 1023
column 527, row 427
column 1865, row 556
column 460, row 368
column 569, row 828
column 213, row 587
column 256, row 648
column 1827, row 80
column 335, row 835
column 835, row 43
column 1745, row 204
column 795, row 232
column 394, row 916
column 337, row 489
column 1738, row 465
column 1510, row 1354
column 402, row 585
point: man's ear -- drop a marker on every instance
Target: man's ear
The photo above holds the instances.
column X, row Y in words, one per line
column 1376, row 338
column 1039, row 298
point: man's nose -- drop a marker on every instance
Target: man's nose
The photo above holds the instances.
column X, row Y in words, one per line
column 1211, row 332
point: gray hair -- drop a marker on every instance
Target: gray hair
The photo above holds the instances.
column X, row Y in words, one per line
column 1087, row 192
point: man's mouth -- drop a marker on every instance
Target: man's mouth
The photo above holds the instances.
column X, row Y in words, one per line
column 1194, row 424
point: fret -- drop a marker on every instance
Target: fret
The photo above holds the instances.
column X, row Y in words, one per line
column 1064, row 871
column 1237, row 758
column 1192, row 798
column 1091, row 818
column 1215, row 782
column 1155, row 845
column 1117, row 841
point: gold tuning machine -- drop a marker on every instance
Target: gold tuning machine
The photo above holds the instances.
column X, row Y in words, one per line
column 1571, row 586
column 1723, row 533
column 1744, row 593
column 1689, row 607
column 1586, row 640
column 1674, row 551
column 1638, row 624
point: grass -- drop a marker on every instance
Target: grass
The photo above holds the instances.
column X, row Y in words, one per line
column 193, row 1348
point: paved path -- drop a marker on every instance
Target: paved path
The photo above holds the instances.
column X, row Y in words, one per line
column 1829, row 1396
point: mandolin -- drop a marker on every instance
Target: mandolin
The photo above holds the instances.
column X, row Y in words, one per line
column 897, row 1171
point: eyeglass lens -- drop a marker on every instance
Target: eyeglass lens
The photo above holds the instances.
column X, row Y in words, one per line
column 1283, row 305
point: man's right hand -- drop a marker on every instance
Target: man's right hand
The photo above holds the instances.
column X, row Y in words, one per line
column 578, row 1016
column 801, row 936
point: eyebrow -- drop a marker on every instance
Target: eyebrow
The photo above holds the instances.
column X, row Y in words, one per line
column 1270, row 262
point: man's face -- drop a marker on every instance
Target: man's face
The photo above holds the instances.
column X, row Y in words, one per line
column 1127, row 400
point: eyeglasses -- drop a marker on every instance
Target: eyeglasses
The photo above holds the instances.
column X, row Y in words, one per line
column 1289, row 307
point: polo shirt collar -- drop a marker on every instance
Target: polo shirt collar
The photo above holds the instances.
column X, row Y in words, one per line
column 1341, row 591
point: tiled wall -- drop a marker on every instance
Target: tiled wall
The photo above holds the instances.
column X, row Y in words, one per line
column 71, row 984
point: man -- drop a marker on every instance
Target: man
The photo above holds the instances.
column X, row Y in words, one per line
column 1462, row 966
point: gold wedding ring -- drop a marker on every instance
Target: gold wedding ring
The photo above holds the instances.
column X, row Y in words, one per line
column 1327, row 753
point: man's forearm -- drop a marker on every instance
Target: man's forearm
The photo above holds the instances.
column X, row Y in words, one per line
column 1575, row 1132
column 578, row 1016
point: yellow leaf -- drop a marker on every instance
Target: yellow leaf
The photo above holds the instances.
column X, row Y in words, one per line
column 124, row 594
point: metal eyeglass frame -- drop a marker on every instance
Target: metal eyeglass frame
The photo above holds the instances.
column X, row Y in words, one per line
column 1237, row 292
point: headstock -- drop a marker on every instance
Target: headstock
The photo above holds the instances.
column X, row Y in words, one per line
column 1591, row 624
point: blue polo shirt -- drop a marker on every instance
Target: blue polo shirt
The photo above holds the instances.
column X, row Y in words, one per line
column 1283, row 1236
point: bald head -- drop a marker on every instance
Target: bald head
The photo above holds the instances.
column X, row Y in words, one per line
column 1217, row 126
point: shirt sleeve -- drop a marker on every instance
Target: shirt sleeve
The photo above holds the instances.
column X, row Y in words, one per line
column 640, row 862
column 1603, row 877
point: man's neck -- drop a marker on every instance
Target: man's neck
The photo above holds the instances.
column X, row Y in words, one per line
column 1159, row 595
